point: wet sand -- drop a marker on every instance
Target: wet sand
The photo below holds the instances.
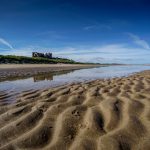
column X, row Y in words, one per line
column 108, row 114
column 8, row 71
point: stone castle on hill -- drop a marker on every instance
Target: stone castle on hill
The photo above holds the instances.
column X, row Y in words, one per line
column 44, row 55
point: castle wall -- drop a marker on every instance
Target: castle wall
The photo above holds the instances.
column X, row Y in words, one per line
column 44, row 55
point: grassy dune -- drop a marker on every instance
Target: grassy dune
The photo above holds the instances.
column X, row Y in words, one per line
column 31, row 60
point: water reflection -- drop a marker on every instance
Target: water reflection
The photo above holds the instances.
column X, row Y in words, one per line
column 47, row 80
column 49, row 76
column 38, row 78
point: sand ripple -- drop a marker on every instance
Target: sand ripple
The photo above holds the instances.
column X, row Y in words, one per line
column 112, row 114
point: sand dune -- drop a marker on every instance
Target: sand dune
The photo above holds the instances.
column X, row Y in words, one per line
column 108, row 114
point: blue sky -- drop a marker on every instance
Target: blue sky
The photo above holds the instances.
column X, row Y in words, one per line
column 102, row 31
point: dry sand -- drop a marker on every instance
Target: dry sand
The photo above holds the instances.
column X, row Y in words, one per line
column 110, row 114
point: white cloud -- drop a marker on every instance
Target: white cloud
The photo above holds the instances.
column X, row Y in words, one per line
column 113, row 53
column 6, row 43
column 89, row 27
column 97, row 26
column 104, row 49
column 140, row 42
column 25, row 51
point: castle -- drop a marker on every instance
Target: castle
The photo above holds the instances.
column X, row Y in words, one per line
column 44, row 55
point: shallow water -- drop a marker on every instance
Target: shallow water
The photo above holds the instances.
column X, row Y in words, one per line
column 60, row 78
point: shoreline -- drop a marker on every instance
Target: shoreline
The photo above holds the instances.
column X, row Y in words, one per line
column 27, row 70
column 91, row 115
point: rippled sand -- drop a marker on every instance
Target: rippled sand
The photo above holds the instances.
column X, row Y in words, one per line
column 112, row 114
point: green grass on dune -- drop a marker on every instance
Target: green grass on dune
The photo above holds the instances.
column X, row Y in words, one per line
column 13, row 59
column 5, row 59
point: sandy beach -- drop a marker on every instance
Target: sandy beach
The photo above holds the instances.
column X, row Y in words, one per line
column 27, row 70
column 108, row 114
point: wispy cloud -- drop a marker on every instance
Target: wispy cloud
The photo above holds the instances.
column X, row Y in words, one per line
column 140, row 42
column 6, row 43
column 89, row 27
column 25, row 51
column 97, row 26
column 113, row 53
